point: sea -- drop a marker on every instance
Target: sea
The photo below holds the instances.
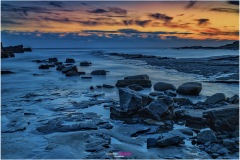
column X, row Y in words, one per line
column 32, row 95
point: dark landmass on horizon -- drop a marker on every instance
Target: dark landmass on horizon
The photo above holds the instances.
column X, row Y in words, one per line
column 232, row 46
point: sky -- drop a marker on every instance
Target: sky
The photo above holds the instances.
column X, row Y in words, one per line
column 119, row 24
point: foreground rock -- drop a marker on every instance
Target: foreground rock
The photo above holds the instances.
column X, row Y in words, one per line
column 223, row 119
column 206, row 136
column 158, row 109
column 170, row 140
column 162, row 86
column 69, row 68
column 190, row 88
column 216, row 98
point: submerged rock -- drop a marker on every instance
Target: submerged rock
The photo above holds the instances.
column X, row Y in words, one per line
column 162, row 86
column 70, row 60
column 107, row 86
column 85, row 63
column 151, row 143
column 72, row 73
column 216, row 98
column 69, row 68
column 60, row 67
column 52, row 60
column 99, row 72
column 190, row 88
column 206, row 136
column 43, row 66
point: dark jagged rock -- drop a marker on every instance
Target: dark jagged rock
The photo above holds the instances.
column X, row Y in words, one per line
column 234, row 99
column 99, row 72
column 190, row 88
column 143, row 77
column 43, row 66
column 151, row 143
column 70, row 60
column 162, row 86
column 170, row 140
column 107, row 86
column 69, row 68
column 85, row 63
column 216, row 98
column 60, row 67
column 72, row 73
column 135, row 87
column 127, row 82
column 223, row 119
column 194, row 119
column 52, row 60
column 6, row 72
column 206, row 136
column 182, row 101
column 157, row 109
column 86, row 77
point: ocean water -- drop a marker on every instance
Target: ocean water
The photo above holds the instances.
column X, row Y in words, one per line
column 46, row 94
column 52, row 81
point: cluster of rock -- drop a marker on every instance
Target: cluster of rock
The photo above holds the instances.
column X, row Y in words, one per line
column 7, row 52
column 164, row 108
column 68, row 67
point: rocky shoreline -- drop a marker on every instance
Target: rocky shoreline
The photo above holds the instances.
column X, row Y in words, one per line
column 225, row 68
column 160, row 124
column 7, row 52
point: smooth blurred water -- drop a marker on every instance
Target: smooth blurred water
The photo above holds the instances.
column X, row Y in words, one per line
column 52, row 81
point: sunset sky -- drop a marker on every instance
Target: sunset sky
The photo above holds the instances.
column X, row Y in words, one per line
column 119, row 24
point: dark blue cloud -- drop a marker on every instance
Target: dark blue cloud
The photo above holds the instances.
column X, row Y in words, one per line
column 203, row 21
column 190, row 4
column 160, row 16
column 226, row 10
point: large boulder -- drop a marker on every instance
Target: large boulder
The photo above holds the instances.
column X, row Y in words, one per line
column 143, row 77
column 131, row 100
column 52, row 60
column 60, row 67
column 170, row 140
column 72, row 73
column 206, row 136
column 157, row 109
column 85, row 63
column 216, row 98
column 128, row 82
column 162, row 86
column 99, row 72
column 223, row 119
column 190, row 88
column 234, row 99
column 43, row 66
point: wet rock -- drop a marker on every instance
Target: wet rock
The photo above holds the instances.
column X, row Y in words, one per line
column 223, row 119
column 131, row 100
column 216, row 98
column 223, row 151
column 85, row 63
column 142, row 77
column 170, row 93
column 190, row 88
column 93, row 147
column 52, row 60
column 128, row 82
column 162, row 86
column 86, row 77
column 212, row 148
column 156, row 94
column 99, row 72
column 182, row 101
column 151, row 143
column 170, row 140
column 157, row 109
column 206, row 136
column 60, row 67
column 107, row 86
column 72, row 73
column 43, row 66
column 229, row 143
column 180, row 113
column 187, row 131
column 6, row 72
column 70, row 60
column 234, row 99
column 91, row 87
column 69, row 68
column 135, row 87
column 194, row 119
